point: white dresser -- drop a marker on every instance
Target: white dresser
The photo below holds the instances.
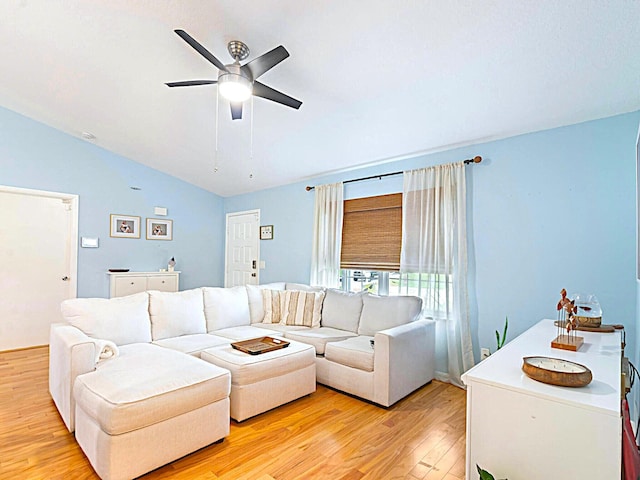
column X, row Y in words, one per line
column 121, row 284
column 518, row 428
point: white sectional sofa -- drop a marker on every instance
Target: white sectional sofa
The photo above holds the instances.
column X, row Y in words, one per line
column 175, row 381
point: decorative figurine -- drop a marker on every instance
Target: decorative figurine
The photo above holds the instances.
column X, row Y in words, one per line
column 566, row 320
column 172, row 264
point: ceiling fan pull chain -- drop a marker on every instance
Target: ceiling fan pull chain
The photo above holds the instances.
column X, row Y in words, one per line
column 215, row 155
column 251, row 143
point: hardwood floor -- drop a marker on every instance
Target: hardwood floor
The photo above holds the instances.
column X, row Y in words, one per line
column 327, row 435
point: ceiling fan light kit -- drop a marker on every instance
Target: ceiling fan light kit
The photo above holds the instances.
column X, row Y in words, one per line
column 234, row 86
column 238, row 82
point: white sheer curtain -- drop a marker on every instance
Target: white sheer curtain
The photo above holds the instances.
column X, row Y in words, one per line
column 327, row 235
column 434, row 246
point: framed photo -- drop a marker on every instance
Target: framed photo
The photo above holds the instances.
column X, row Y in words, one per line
column 266, row 232
column 125, row 226
column 159, row 229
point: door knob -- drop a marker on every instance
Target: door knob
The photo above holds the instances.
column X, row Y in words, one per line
column 65, row 279
column 253, row 264
column 253, row 274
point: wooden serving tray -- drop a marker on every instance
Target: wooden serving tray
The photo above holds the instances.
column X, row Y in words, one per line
column 600, row 329
column 256, row 346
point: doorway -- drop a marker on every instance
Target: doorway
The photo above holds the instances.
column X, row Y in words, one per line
column 39, row 258
column 242, row 249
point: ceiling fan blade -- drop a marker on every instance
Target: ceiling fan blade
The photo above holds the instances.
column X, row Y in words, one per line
column 261, row 90
column 261, row 64
column 236, row 110
column 190, row 83
column 201, row 50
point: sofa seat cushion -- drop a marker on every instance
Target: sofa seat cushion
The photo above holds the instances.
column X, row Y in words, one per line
column 176, row 313
column 225, row 307
column 356, row 352
column 381, row 313
column 254, row 294
column 192, row 344
column 122, row 320
column 283, row 329
column 318, row 337
column 147, row 384
column 247, row 369
column 236, row 334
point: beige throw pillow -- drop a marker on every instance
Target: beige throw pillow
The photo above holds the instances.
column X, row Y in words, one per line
column 273, row 303
column 302, row 308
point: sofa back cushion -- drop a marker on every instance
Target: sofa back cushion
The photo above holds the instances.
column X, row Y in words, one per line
column 176, row 313
column 380, row 313
column 225, row 307
column 302, row 308
column 122, row 320
column 341, row 310
column 256, row 305
column 303, row 288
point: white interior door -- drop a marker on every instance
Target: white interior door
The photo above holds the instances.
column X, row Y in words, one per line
column 242, row 248
column 38, row 263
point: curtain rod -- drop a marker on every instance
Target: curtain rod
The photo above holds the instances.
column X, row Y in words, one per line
column 476, row 159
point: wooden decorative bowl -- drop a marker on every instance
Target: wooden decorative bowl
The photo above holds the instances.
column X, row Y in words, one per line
column 556, row 371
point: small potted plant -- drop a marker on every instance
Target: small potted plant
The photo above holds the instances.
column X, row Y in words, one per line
column 500, row 341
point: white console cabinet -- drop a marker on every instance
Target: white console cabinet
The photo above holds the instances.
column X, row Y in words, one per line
column 518, row 428
column 121, row 283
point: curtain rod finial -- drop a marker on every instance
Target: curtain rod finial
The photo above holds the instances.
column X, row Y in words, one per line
column 308, row 188
column 476, row 159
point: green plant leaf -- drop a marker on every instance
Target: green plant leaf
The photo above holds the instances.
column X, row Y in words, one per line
column 484, row 475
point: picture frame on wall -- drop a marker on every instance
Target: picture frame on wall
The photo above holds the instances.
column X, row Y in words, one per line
column 266, row 232
column 159, row 229
column 124, row 226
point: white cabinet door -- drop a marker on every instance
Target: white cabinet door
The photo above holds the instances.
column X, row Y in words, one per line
column 164, row 283
column 129, row 285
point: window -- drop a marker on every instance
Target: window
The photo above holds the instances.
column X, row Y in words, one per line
column 395, row 283
column 370, row 258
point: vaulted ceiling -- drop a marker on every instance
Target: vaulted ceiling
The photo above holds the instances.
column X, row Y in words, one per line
column 379, row 80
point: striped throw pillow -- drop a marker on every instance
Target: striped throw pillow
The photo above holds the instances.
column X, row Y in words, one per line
column 302, row 308
column 273, row 303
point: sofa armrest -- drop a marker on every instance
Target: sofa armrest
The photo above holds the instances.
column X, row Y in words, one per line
column 404, row 360
column 71, row 353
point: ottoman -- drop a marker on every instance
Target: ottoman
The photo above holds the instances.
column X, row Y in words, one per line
column 262, row 382
column 147, row 407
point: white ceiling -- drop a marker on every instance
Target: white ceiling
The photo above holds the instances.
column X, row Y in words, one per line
column 378, row 79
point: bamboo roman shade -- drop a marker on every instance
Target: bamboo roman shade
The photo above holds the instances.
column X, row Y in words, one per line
column 372, row 233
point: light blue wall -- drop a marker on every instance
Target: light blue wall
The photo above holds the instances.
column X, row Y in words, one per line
column 35, row 156
column 548, row 210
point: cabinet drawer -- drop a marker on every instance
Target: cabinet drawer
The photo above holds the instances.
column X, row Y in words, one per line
column 168, row 283
column 129, row 285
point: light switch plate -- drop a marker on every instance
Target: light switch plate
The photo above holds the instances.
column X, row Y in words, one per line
column 89, row 242
column 161, row 211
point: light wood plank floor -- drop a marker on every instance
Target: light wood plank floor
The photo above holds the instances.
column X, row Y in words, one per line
column 327, row 435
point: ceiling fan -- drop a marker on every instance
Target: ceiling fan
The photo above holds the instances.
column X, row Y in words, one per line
column 238, row 82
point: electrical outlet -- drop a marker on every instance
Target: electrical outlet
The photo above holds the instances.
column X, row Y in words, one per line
column 484, row 353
